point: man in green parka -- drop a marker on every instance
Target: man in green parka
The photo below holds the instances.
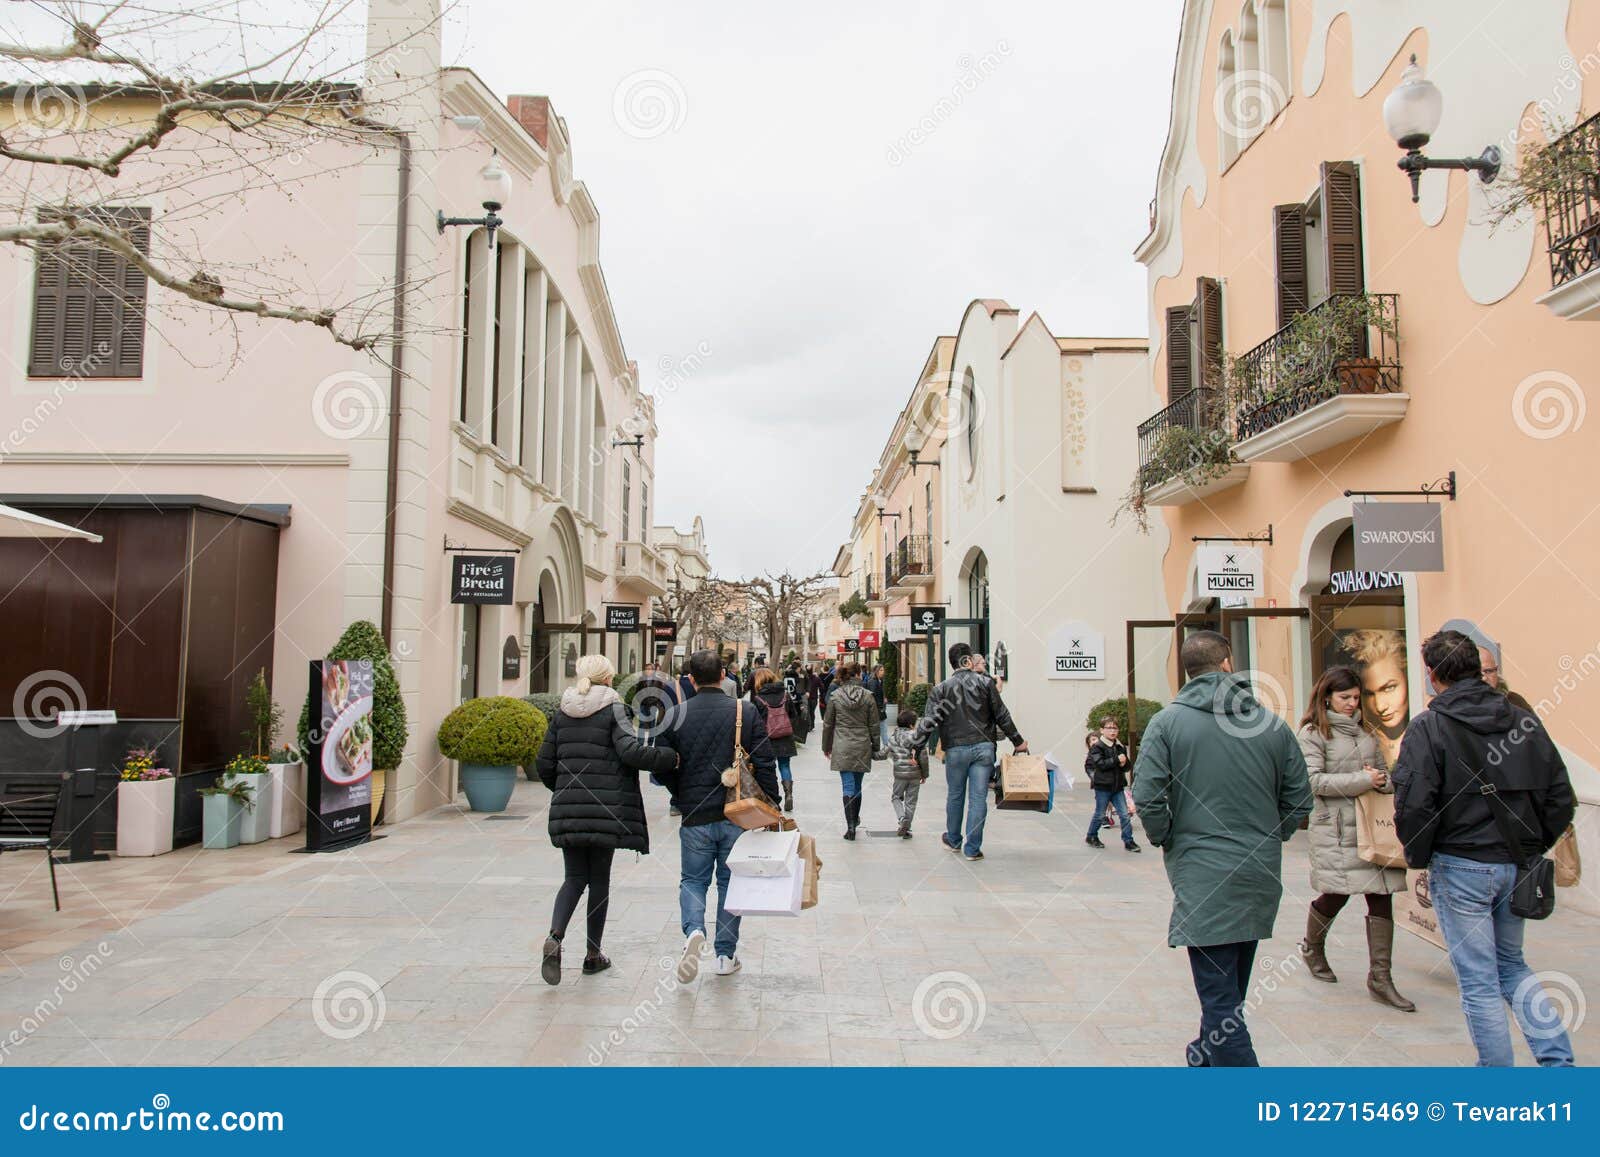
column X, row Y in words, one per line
column 1220, row 785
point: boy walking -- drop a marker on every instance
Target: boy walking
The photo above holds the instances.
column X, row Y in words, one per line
column 1107, row 765
column 910, row 764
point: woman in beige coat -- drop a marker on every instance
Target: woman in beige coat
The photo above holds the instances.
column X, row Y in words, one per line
column 1344, row 760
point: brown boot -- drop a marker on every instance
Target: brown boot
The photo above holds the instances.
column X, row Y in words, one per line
column 1380, row 953
column 1311, row 948
column 788, row 795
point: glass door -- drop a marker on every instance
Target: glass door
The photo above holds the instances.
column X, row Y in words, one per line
column 1152, row 670
column 973, row 632
column 469, row 652
column 1263, row 641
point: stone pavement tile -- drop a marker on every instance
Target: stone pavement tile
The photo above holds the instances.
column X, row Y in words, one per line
column 138, row 1052
column 465, row 1002
column 422, row 981
column 866, row 1051
column 963, row 1052
column 870, row 1005
column 237, row 1019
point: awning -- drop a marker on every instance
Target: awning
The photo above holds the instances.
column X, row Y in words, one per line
column 16, row 523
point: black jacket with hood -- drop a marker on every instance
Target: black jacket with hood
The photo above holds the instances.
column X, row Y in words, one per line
column 776, row 695
column 1105, row 773
column 1438, row 804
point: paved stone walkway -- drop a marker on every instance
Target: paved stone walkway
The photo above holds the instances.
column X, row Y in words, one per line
column 421, row 949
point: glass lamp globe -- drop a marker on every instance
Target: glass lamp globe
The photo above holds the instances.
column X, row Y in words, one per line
column 1411, row 112
column 496, row 184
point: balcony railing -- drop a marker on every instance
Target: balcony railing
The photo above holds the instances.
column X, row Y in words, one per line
column 912, row 561
column 1346, row 345
column 1572, row 212
column 1183, row 435
column 872, row 588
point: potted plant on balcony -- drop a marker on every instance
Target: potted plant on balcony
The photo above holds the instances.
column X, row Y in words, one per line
column 490, row 738
column 363, row 640
column 145, row 798
column 249, row 773
column 225, row 806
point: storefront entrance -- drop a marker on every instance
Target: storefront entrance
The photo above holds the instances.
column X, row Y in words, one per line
column 555, row 648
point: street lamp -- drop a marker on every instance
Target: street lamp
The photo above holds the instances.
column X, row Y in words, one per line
column 882, row 504
column 1411, row 113
column 495, row 183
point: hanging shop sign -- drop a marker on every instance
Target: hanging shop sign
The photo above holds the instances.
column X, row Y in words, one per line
column 1076, row 651
column 1399, row 536
column 870, row 640
column 899, row 628
column 1000, row 668
column 482, row 579
column 339, row 764
column 1229, row 570
column 927, row 620
column 849, row 646
column 1355, row 582
column 621, row 619
column 664, row 630
column 511, row 659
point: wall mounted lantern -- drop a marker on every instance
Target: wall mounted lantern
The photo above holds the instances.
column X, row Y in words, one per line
column 1411, row 114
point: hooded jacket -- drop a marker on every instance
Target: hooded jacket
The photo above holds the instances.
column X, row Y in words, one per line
column 1471, row 734
column 591, row 761
column 850, row 727
column 1220, row 786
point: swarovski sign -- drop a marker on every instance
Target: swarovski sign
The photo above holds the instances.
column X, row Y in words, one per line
column 1229, row 570
column 1399, row 536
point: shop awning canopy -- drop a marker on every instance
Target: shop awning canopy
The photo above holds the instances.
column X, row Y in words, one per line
column 16, row 523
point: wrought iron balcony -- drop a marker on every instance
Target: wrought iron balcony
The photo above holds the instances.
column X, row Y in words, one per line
column 1572, row 212
column 911, row 564
column 1346, row 346
column 872, row 588
column 1185, row 434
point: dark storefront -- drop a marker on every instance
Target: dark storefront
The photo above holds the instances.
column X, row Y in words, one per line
column 165, row 622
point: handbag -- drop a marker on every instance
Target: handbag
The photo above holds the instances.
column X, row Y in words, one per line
column 1377, row 842
column 746, row 804
column 1533, row 895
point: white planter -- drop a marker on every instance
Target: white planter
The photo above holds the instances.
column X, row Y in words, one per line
column 254, row 826
column 144, row 816
column 286, row 799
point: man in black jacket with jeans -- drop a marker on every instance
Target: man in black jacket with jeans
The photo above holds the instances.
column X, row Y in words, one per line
column 701, row 732
column 1470, row 753
column 1107, row 766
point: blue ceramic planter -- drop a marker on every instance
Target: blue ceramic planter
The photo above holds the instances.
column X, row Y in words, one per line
column 488, row 788
column 221, row 816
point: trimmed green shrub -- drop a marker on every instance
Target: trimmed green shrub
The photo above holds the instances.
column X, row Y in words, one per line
column 890, row 658
column 493, row 731
column 547, row 703
column 362, row 640
column 1118, row 709
column 916, row 698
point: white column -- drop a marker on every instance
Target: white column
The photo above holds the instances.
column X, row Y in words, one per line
column 479, row 360
column 536, row 294
column 555, row 347
column 583, row 483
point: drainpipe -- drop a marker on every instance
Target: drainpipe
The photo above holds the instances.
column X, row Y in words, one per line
column 402, row 140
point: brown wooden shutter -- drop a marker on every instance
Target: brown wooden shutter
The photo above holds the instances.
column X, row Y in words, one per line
column 1341, row 226
column 49, row 306
column 1289, row 240
column 1208, row 321
column 89, row 306
column 1179, row 379
column 132, row 288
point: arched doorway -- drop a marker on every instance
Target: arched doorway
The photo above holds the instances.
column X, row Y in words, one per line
column 971, row 626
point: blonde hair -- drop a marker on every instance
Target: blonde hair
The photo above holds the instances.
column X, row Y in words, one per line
column 592, row 669
column 1372, row 644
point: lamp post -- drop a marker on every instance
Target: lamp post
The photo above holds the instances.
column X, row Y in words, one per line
column 496, row 186
column 1411, row 113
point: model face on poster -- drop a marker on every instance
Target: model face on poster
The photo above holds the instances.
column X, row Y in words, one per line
column 1379, row 656
column 1383, row 691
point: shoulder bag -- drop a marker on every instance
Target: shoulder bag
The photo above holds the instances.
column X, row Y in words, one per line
column 1533, row 896
column 747, row 805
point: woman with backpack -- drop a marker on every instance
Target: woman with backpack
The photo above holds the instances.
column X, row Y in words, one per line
column 780, row 711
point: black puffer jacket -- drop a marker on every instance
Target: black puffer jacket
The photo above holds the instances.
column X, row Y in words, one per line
column 701, row 732
column 1471, row 733
column 1106, row 773
column 774, row 695
column 591, row 762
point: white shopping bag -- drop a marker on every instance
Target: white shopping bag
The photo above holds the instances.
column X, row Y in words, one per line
column 1064, row 780
column 766, row 895
column 763, row 853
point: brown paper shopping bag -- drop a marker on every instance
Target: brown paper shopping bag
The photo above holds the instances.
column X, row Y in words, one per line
column 1024, row 777
column 1377, row 842
column 812, row 865
column 1569, row 869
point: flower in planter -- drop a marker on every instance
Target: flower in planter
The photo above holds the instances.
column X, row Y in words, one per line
column 139, row 766
column 246, row 765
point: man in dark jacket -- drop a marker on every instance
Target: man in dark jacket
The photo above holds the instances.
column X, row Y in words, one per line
column 1470, row 755
column 701, row 732
column 965, row 712
column 1107, row 767
column 1221, row 786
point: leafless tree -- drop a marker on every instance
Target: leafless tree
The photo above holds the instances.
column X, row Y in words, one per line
column 778, row 602
column 700, row 608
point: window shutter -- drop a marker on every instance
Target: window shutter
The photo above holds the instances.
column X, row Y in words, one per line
column 89, row 306
column 132, row 288
column 1179, row 379
column 49, row 306
column 1208, row 320
column 1341, row 226
column 1289, row 240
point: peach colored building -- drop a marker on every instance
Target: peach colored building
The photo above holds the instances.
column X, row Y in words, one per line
column 1281, row 229
column 503, row 438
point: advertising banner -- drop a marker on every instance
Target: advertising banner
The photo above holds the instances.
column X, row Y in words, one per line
column 1229, row 570
column 339, row 762
column 484, row 579
column 1399, row 536
column 870, row 640
column 1076, row 651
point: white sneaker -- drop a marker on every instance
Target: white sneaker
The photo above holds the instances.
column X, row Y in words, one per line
column 728, row 965
column 689, row 962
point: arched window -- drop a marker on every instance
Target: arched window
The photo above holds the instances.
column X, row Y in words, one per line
column 969, row 420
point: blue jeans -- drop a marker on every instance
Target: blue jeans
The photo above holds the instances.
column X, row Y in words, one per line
column 1472, row 900
column 783, row 769
column 967, row 772
column 852, row 781
column 1116, row 799
column 1221, row 980
column 705, row 847
column 883, row 732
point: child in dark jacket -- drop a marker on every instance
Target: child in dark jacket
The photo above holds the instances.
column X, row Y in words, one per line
column 910, row 765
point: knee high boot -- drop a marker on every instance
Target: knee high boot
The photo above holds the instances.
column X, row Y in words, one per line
column 1312, row 947
column 852, row 815
column 788, row 795
column 1380, row 954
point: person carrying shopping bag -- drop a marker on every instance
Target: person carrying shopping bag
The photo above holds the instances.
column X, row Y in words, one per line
column 850, row 738
column 781, row 712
